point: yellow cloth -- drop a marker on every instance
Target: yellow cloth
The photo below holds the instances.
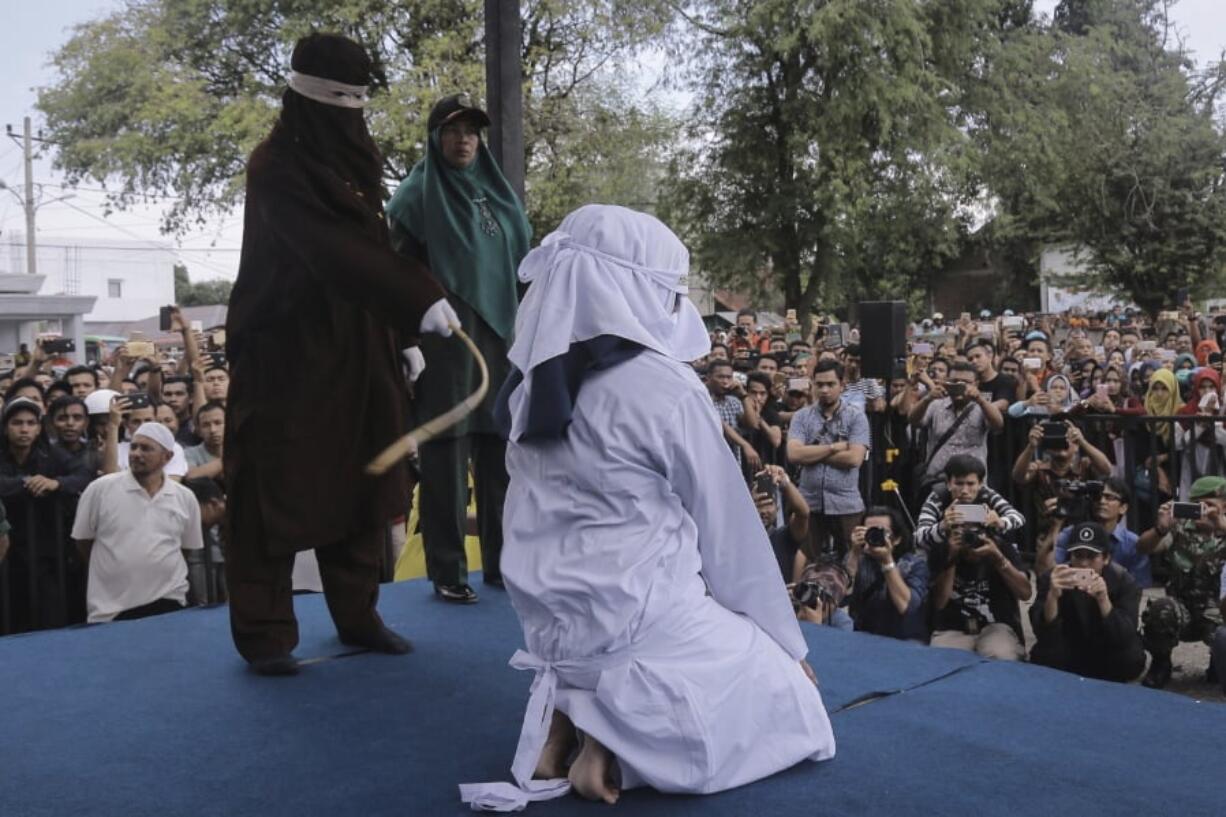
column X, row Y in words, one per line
column 412, row 561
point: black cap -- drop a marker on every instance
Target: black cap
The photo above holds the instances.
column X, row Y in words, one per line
column 1089, row 536
column 453, row 107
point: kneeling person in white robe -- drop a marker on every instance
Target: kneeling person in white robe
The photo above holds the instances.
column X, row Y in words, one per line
column 653, row 610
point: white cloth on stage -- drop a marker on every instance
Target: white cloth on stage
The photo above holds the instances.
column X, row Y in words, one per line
column 653, row 610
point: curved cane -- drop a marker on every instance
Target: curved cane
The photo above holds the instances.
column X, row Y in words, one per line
column 398, row 450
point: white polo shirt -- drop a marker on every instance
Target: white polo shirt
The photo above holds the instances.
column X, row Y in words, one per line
column 136, row 558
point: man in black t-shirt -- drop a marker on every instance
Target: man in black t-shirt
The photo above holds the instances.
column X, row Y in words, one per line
column 1001, row 389
column 768, row 438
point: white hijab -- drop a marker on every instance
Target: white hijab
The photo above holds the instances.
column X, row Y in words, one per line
column 606, row 270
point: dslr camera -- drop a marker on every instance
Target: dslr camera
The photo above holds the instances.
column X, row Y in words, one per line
column 875, row 538
column 1076, row 499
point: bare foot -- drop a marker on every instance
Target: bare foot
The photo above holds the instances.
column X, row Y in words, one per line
column 558, row 746
column 591, row 775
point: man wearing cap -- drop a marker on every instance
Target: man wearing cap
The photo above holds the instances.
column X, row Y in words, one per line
column 34, row 475
column 134, row 529
column 1196, row 553
column 1085, row 612
column 459, row 216
column 317, row 317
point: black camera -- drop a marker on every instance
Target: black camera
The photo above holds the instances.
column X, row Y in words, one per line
column 1076, row 499
column 955, row 388
column 59, row 346
column 875, row 537
column 974, row 536
column 810, row 594
column 742, row 331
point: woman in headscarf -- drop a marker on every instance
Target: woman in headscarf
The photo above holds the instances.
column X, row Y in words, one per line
column 1056, row 397
column 654, row 613
column 457, row 213
column 1203, row 350
column 1153, row 443
column 1203, row 444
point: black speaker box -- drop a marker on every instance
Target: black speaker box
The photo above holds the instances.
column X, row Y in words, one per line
column 883, row 337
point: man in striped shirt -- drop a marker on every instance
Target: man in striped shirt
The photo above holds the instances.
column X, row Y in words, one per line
column 978, row 580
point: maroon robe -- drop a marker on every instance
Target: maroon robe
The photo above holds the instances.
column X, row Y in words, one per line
column 313, row 333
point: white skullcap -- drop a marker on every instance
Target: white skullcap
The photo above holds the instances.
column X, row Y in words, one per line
column 157, row 432
column 99, row 401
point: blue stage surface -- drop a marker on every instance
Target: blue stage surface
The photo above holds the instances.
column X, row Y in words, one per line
column 159, row 717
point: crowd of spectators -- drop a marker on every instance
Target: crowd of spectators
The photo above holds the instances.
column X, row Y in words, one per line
column 1063, row 461
column 1066, row 461
column 111, row 484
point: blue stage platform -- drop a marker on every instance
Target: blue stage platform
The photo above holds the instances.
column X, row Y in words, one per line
column 159, row 717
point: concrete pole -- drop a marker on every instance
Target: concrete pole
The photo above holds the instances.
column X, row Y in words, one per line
column 504, row 89
column 31, row 244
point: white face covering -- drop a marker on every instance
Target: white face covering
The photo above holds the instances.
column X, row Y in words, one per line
column 606, row 270
column 329, row 91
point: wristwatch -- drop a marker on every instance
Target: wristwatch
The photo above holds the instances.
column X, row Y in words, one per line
column 887, row 568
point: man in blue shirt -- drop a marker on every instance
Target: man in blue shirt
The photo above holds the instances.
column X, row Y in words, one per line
column 830, row 440
column 890, row 579
column 1111, row 511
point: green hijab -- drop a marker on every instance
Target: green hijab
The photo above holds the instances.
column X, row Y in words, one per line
column 472, row 226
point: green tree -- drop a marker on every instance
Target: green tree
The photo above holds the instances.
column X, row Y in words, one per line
column 200, row 293
column 168, row 97
column 1106, row 141
column 825, row 162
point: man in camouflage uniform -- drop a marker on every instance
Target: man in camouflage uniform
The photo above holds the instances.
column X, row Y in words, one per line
column 1196, row 551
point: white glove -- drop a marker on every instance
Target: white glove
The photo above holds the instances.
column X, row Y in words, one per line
column 414, row 361
column 438, row 319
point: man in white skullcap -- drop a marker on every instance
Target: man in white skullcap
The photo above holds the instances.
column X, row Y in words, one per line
column 654, row 614
column 132, row 528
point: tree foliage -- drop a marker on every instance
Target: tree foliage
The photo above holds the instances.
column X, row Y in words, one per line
column 200, row 293
column 168, row 97
column 826, row 163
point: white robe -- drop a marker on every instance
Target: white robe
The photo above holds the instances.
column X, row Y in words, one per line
column 609, row 534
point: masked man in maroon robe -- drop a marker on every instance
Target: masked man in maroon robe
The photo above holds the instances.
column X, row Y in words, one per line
column 316, row 321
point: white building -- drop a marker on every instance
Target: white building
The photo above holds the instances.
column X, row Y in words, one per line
column 1055, row 297
column 129, row 280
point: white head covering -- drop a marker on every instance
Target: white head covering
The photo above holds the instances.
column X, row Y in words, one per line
column 157, row 432
column 606, row 270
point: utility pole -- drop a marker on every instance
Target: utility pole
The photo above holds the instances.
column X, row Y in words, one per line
column 31, row 244
column 504, row 89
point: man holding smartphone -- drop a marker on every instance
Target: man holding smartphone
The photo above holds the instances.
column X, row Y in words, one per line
column 1196, row 546
column 1085, row 612
column 977, row 574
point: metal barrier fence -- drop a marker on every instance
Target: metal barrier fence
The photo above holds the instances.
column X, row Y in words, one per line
column 43, row 578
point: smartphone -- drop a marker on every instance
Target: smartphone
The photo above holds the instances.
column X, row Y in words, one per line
column 955, row 388
column 987, row 330
column 197, row 326
column 790, row 316
column 59, row 346
column 141, row 348
column 763, row 484
column 139, row 400
column 1209, row 400
column 740, row 377
column 1101, row 391
column 924, row 349
column 1147, row 345
column 1033, row 364
column 1054, row 430
column 798, row 384
column 1013, row 322
column 164, row 318
column 973, row 514
column 218, row 339
column 1185, row 510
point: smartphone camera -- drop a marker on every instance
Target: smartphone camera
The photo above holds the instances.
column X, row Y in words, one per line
column 139, row 400
column 763, row 484
column 1185, row 510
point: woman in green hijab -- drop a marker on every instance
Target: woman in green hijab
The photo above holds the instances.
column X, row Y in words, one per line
column 457, row 214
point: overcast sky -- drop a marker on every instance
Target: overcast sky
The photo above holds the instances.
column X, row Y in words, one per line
column 33, row 30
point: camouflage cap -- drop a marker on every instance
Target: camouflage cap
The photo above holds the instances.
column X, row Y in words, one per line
column 1207, row 487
